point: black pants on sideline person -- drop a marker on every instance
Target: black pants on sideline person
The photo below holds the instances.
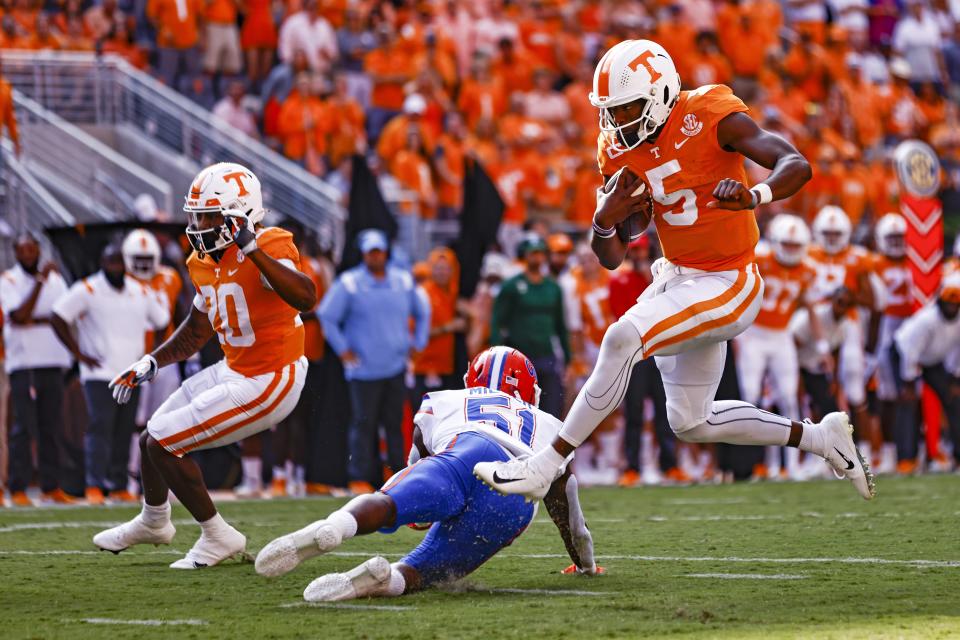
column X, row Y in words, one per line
column 906, row 430
column 645, row 382
column 106, row 445
column 375, row 404
column 817, row 386
column 36, row 397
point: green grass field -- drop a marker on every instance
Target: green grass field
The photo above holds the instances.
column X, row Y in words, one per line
column 745, row 561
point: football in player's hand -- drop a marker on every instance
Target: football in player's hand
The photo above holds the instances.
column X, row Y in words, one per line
column 641, row 210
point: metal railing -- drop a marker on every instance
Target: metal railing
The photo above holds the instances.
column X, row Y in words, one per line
column 105, row 90
column 96, row 177
column 26, row 205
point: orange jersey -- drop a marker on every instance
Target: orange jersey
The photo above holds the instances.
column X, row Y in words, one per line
column 258, row 331
column 594, row 298
column 897, row 283
column 784, row 287
column 841, row 269
column 682, row 167
column 168, row 282
column 952, row 265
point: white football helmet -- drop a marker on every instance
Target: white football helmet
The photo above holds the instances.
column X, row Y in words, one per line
column 629, row 71
column 831, row 229
column 222, row 189
column 141, row 254
column 789, row 236
column 891, row 235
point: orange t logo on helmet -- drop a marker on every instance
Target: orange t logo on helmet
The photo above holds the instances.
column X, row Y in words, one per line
column 644, row 59
column 237, row 177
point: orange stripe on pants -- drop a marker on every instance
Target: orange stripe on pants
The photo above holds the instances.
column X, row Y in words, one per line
column 730, row 318
column 692, row 310
column 273, row 405
column 223, row 417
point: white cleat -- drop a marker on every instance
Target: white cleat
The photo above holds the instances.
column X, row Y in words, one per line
column 284, row 554
column 369, row 579
column 842, row 454
column 133, row 532
column 210, row 551
column 517, row 477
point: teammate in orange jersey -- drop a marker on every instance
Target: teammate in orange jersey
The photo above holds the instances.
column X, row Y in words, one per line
column 686, row 150
column 250, row 292
column 891, row 267
column 839, row 263
column 766, row 345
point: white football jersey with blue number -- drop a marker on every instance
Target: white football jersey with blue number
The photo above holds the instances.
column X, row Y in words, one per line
column 520, row 428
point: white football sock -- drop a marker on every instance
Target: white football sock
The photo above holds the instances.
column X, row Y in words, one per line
column 604, row 390
column 397, row 584
column 736, row 422
column 155, row 516
column 252, row 473
column 213, row 526
column 344, row 522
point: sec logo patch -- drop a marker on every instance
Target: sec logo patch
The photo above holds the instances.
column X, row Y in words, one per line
column 691, row 125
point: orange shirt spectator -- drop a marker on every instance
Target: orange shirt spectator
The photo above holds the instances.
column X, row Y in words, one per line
column 393, row 138
column 513, row 68
column 8, row 117
column 677, row 37
column 705, row 64
column 313, row 342
column 76, row 38
column 347, row 135
column 864, row 105
column 582, row 113
column 119, row 43
column 482, row 144
column 390, row 68
column 25, row 15
column 10, row 37
column 539, row 37
column 221, row 12
column 437, row 359
column 515, row 182
column 586, row 181
column 177, row 22
column 412, row 170
column 745, row 48
column 855, row 186
column 334, row 11
column 43, row 39
column 448, row 160
column 303, row 122
column 769, row 14
column 481, row 97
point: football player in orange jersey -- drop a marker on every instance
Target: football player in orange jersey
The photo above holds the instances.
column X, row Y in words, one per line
column 141, row 255
column 952, row 265
column 891, row 267
column 766, row 345
column 677, row 156
column 839, row 263
column 249, row 293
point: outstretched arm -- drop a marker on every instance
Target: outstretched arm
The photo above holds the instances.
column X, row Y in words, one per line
column 190, row 336
column 563, row 505
column 790, row 170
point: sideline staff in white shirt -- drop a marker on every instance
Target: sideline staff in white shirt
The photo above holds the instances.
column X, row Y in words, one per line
column 35, row 360
column 927, row 346
column 111, row 312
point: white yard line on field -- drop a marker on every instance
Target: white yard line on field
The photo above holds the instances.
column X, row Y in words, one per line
column 745, row 576
column 142, row 623
column 79, row 524
column 344, row 605
column 84, row 552
column 548, row 592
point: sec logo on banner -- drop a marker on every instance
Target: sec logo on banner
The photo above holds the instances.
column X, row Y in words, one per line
column 918, row 168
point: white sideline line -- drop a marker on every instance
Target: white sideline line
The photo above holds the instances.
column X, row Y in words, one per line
column 142, row 623
column 745, row 576
column 343, row 605
column 920, row 563
column 79, row 524
column 548, row 592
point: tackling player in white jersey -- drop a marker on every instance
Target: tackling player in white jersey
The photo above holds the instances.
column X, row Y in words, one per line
column 494, row 419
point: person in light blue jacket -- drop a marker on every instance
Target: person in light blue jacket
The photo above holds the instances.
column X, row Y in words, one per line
column 366, row 319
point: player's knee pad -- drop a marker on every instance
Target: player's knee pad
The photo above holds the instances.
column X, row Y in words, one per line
column 621, row 342
column 695, row 433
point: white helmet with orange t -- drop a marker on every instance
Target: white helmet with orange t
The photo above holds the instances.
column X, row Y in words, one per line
column 228, row 189
column 789, row 237
column 831, row 229
column 891, row 235
column 141, row 254
column 635, row 71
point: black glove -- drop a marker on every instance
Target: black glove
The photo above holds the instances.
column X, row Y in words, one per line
column 243, row 235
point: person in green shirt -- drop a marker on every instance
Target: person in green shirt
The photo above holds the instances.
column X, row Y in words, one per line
column 528, row 316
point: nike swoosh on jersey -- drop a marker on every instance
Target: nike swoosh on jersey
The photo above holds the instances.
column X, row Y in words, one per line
column 230, row 272
column 677, row 145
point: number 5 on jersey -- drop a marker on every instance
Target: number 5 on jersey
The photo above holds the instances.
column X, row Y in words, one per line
column 228, row 314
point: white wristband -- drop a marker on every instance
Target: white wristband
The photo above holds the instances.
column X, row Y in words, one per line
column 764, row 193
column 250, row 246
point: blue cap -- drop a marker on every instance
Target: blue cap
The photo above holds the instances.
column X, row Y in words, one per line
column 371, row 239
